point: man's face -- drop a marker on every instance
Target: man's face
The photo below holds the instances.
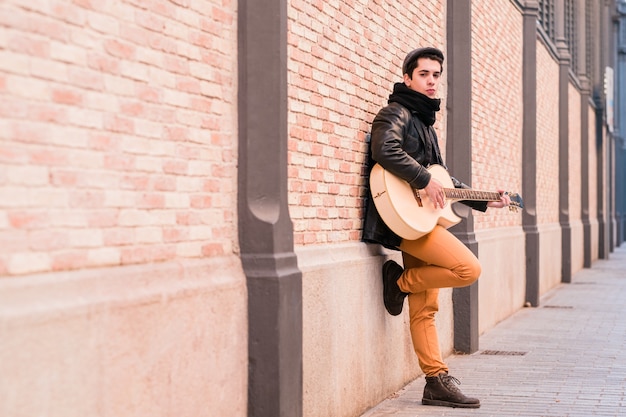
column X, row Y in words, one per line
column 426, row 77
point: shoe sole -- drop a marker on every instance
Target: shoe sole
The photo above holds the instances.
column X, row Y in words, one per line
column 449, row 404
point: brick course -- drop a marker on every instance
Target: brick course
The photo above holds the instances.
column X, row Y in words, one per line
column 593, row 166
column 118, row 133
column 547, row 137
column 575, row 157
column 343, row 60
column 497, row 93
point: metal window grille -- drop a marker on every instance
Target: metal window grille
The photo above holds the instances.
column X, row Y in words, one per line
column 571, row 33
column 589, row 12
column 621, row 8
column 622, row 30
column 546, row 17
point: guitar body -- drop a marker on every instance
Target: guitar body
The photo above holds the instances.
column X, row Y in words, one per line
column 408, row 216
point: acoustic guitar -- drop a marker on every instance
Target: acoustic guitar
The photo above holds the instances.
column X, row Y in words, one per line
column 411, row 214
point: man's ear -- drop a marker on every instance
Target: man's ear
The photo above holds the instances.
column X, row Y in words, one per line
column 407, row 79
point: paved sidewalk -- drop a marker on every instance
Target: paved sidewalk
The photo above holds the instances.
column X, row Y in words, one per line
column 566, row 357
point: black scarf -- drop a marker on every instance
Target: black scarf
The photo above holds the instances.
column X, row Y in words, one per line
column 425, row 107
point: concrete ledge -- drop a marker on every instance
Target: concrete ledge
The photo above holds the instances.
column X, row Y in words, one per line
column 148, row 340
column 54, row 295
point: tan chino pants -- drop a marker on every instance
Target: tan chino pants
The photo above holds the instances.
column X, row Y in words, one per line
column 436, row 260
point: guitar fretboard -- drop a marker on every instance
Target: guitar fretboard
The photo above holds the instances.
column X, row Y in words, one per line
column 464, row 194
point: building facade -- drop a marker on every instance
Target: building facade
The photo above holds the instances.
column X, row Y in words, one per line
column 182, row 187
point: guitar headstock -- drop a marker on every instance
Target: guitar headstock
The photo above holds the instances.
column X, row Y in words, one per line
column 516, row 201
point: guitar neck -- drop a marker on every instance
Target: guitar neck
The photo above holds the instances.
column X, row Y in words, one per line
column 465, row 194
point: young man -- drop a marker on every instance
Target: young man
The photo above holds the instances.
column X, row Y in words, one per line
column 404, row 142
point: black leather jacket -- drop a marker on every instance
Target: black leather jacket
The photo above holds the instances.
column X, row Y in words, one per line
column 403, row 145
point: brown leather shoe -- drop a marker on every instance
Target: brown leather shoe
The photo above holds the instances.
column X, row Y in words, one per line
column 442, row 390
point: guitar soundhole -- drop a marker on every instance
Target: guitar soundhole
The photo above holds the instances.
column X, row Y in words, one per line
column 416, row 194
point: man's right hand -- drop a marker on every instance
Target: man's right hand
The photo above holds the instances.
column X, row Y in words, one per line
column 434, row 191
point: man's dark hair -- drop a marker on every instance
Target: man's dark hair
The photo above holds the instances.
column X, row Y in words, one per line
column 410, row 62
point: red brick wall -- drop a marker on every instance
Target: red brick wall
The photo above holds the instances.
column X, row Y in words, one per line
column 593, row 166
column 343, row 60
column 547, row 137
column 575, row 159
column 118, row 132
column 497, row 94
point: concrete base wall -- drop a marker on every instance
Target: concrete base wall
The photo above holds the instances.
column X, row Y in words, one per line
column 502, row 284
column 578, row 252
column 354, row 353
column 349, row 340
column 550, row 256
column 154, row 340
column 595, row 239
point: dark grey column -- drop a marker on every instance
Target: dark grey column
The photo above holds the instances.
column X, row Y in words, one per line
column 459, row 159
column 609, row 185
column 604, row 142
column 603, row 232
column 585, row 101
column 564, row 219
column 584, row 169
column 529, row 150
column 620, row 123
column 603, row 239
column 265, row 229
column 612, row 28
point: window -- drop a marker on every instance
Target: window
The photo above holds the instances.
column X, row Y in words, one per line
column 589, row 27
column 571, row 34
column 546, row 17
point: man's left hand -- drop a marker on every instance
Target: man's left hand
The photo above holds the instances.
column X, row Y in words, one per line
column 505, row 201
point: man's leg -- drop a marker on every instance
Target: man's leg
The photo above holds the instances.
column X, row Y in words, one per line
column 437, row 260
column 447, row 262
column 422, row 308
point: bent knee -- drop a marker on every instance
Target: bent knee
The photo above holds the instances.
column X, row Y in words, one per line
column 469, row 272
